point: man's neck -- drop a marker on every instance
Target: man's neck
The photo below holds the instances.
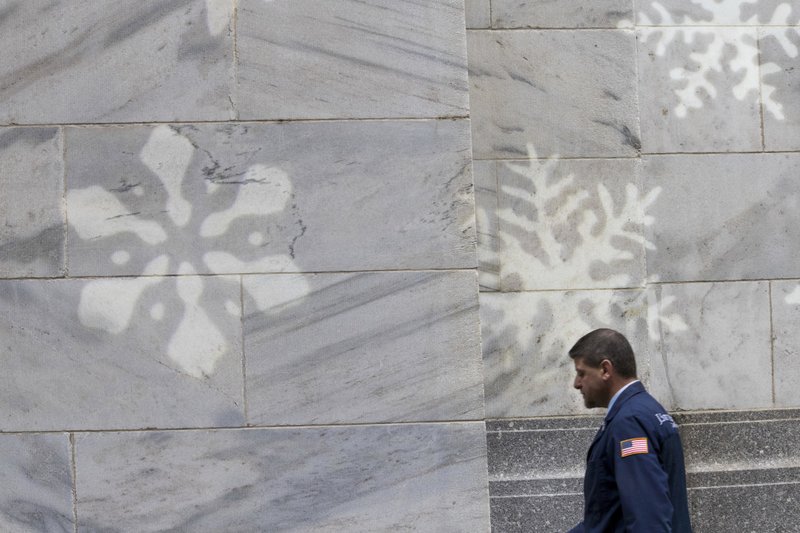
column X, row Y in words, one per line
column 618, row 387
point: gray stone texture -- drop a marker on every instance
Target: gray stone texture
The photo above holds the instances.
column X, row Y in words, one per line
column 106, row 61
column 370, row 478
column 714, row 221
column 31, row 201
column 715, row 13
column 522, row 102
column 743, row 470
column 126, row 353
column 699, row 89
column 721, row 359
column 36, row 483
column 351, row 59
column 570, row 224
column 478, row 13
column 780, row 85
column 254, row 198
column 486, row 224
column 366, row 347
column 526, row 337
column 561, row 14
column 786, row 347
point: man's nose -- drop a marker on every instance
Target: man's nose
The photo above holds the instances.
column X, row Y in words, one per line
column 576, row 383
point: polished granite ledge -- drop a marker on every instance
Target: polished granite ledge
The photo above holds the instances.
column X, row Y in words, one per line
column 743, row 470
column 748, row 442
column 750, row 508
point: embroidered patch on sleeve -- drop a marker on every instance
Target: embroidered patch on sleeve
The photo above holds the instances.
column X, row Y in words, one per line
column 633, row 446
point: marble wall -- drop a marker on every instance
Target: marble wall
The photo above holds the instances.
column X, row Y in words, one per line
column 239, row 277
column 271, row 265
column 636, row 167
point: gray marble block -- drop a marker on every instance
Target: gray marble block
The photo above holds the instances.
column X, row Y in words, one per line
column 561, row 13
column 428, row 477
column 36, row 484
column 720, row 357
column 109, row 61
column 486, row 224
column 714, row 221
column 786, row 346
column 716, row 13
column 565, row 93
column 351, row 59
column 31, row 203
column 126, row 353
column 699, row 89
column 478, row 13
column 354, row 348
column 780, row 84
column 570, row 224
column 526, row 337
column 256, row 198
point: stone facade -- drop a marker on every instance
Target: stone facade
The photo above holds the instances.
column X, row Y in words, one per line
column 304, row 265
column 635, row 168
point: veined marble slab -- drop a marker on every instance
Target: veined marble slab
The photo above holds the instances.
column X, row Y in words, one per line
column 561, row 13
column 716, row 13
column 566, row 93
column 32, row 226
column 485, row 173
column 257, row 198
column 371, row 347
column 126, row 353
column 699, row 89
column 478, row 13
column 110, row 61
column 780, row 81
column 723, row 217
column 526, row 337
column 722, row 358
column 428, row 477
column 786, row 349
column 351, row 59
column 35, row 483
column 568, row 224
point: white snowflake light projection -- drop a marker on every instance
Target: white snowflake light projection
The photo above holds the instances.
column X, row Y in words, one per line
column 99, row 216
column 554, row 231
column 718, row 48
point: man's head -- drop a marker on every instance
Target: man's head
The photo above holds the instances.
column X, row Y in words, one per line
column 604, row 362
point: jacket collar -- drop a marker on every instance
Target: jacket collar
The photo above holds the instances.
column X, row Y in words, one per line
column 631, row 391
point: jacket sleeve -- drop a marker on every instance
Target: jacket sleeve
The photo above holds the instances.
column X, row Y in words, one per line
column 642, row 482
column 577, row 529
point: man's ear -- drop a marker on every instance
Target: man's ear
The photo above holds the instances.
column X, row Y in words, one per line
column 606, row 369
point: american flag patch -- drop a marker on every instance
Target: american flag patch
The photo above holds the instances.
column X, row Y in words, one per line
column 633, row 446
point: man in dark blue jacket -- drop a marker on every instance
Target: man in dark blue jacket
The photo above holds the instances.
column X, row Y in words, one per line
column 635, row 477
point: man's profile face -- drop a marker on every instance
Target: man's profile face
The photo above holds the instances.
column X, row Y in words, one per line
column 590, row 382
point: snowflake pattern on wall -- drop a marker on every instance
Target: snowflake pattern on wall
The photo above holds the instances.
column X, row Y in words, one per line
column 719, row 49
column 101, row 217
column 557, row 232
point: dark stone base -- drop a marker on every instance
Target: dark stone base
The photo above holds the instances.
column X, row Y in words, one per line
column 743, row 471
